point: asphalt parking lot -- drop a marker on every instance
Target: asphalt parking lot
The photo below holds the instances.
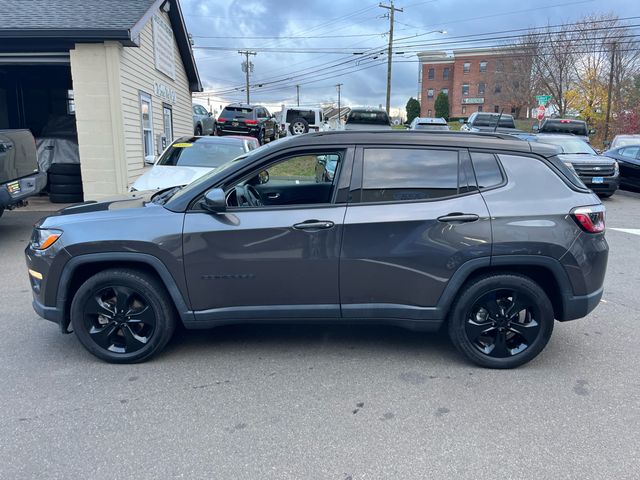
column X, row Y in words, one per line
column 323, row 402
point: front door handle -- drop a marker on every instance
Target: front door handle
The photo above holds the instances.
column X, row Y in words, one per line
column 273, row 196
column 314, row 225
column 458, row 217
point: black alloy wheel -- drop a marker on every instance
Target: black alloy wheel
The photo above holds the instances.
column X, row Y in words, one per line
column 119, row 319
column 123, row 315
column 501, row 320
column 260, row 136
column 502, row 323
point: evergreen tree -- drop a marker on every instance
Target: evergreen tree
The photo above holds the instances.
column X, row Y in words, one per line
column 442, row 106
column 413, row 109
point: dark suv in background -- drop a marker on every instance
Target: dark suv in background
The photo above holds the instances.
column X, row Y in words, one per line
column 251, row 120
column 409, row 228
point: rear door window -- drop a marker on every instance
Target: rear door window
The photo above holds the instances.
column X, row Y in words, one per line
column 396, row 175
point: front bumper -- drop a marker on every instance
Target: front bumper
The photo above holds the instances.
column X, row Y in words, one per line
column 608, row 186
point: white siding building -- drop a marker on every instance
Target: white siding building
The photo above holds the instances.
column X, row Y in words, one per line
column 131, row 74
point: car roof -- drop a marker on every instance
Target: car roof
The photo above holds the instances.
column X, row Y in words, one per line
column 242, row 105
column 564, row 120
column 494, row 141
column 211, row 139
column 368, row 109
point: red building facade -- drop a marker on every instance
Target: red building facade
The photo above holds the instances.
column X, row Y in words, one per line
column 474, row 80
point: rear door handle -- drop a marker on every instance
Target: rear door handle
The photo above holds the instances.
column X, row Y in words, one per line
column 458, row 217
column 273, row 196
column 314, row 225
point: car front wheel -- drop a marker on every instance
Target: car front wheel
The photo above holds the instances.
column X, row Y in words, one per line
column 122, row 316
column 501, row 320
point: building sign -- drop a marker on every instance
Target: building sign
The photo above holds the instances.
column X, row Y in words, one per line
column 166, row 93
column 467, row 101
column 163, row 49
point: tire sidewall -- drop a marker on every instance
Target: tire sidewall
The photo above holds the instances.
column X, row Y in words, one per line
column 301, row 121
column 472, row 293
column 144, row 286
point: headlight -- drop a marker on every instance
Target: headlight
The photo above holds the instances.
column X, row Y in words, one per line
column 616, row 168
column 41, row 239
column 570, row 165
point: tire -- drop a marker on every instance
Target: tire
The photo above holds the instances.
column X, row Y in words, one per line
column 66, row 198
column 63, row 179
column 605, row 195
column 299, row 126
column 275, row 135
column 65, row 169
column 198, row 131
column 117, row 344
column 528, row 332
column 260, row 136
column 73, row 189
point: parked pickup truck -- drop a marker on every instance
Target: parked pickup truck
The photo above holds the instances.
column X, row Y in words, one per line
column 19, row 173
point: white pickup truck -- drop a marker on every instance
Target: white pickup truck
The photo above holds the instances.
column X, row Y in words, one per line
column 19, row 173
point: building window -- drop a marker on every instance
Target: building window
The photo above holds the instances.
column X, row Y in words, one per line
column 431, row 74
column 499, row 65
column 167, row 122
column 71, row 103
column 445, row 73
column 430, row 93
column 483, row 66
column 496, row 108
column 481, row 88
column 445, row 91
column 466, row 67
column 465, row 89
column 429, row 113
column 146, row 115
column 497, row 88
column 480, row 108
column 464, row 110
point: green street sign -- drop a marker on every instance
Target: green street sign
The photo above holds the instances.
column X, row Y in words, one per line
column 543, row 99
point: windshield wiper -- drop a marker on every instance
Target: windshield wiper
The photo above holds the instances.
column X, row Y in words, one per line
column 164, row 195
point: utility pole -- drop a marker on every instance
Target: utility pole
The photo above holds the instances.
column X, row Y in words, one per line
column 298, row 95
column 338, row 86
column 606, row 123
column 247, row 67
column 392, row 10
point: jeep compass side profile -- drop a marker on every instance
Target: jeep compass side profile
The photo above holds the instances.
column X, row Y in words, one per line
column 414, row 229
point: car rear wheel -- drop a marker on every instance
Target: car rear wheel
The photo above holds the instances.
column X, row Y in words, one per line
column 501, row 321
column 198, row 131
column 260, row 136
column 122, row 316
column 299, row 126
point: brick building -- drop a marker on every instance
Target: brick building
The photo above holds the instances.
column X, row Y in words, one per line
column 476, row 80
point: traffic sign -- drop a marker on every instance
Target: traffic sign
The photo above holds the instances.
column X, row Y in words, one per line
column 540, row 112
column 543, row 99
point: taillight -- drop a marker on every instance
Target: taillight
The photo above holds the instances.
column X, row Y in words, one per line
column 591, row 219
column 222, row 120
column 565, row 121
column 251, row 122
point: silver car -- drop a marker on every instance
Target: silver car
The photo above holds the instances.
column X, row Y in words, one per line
column 203, row 121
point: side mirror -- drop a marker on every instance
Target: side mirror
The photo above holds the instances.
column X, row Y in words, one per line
column 535, row 128
column 209, row 114
column 215, row 201
column 592, row 131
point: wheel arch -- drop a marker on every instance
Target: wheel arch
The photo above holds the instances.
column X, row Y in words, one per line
column 80, row 268
column 547, row 272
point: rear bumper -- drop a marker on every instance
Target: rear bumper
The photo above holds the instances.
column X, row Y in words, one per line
column 29, row 186
column 578, row 306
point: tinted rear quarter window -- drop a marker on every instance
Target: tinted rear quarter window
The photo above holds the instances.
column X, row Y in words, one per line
column 392, row 175
column 487, row 169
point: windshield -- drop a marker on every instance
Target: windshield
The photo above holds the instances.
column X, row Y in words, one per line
column 569, row 144
column 368, row 118
column 202, row 152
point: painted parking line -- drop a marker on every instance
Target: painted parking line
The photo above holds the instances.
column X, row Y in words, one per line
column 633, row 231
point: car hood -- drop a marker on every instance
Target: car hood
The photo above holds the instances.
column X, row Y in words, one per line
column 165, row 176
column 579, row 158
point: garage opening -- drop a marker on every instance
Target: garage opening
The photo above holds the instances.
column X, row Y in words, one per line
column 39, row 97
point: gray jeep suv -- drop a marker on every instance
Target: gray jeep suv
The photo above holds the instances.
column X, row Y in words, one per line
column 411, row 229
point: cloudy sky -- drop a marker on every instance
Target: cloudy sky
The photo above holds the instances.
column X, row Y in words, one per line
column 318, row 44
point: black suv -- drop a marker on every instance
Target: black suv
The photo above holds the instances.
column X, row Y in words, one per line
column 251, row 120
column 412, row 229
